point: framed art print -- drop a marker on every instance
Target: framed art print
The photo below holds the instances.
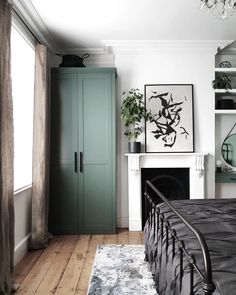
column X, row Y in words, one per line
column 171, row 128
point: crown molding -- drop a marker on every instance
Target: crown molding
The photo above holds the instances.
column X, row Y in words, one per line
column 82, row 50
column 153, row 46
column 230, row 48
column 228, row 51
column 30, row 16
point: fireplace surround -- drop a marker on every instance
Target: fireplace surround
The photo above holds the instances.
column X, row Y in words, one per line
column 195, row 162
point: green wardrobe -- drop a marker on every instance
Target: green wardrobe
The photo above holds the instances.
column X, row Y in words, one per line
column 82, row 192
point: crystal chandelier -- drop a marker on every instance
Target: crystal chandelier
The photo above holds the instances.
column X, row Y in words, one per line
column 222, row 9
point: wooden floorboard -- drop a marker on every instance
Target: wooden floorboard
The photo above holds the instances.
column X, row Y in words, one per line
column 24, row 266
column 134, row 238
column 64, row 267
column 57, row 268
column 71, row 276
column 122, row 236
column 31, row 282
column 110, row 239
column 86, row 272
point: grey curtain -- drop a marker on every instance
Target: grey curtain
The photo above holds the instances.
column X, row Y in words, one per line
column 6, row 153
column 40, row 151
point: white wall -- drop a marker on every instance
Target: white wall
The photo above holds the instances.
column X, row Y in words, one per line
column 22, row 202
column 183, row 62
column 195, row 67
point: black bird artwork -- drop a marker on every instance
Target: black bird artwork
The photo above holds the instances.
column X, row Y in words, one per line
column 167, row 118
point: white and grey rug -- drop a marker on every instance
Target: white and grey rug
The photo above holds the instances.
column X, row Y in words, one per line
column 121, row 269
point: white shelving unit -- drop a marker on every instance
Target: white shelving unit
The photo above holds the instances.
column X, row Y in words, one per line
column 225, row 70
column 229, row 91
column 222, row 93
column 224, row 120
column 225, row 112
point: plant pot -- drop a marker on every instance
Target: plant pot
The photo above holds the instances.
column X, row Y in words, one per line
column 71, row 60
column 225, row 103
column 134, row 146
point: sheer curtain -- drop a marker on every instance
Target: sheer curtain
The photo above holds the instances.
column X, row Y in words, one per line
column 6, row 153
column 40, row 152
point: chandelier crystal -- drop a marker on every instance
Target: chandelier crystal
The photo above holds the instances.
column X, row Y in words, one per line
column 221, row 9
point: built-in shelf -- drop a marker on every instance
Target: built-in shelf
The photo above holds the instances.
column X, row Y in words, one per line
column 225, row 70
column 224, row 117
column 225, row 112
column 226, row 177
column 229, row 91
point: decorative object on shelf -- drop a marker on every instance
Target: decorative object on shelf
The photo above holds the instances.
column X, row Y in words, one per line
column 225, row 64
column 71, row 60
column 171, row 126
column 225, row 104
column 228, row 148
column 222, row 81
column 133, row 112
column 227, row 169
column 221, row 9
column 218, row 166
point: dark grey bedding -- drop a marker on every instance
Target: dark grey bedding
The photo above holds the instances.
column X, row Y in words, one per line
column 216, row 219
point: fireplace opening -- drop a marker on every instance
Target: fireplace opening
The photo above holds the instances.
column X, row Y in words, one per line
column 173, row 183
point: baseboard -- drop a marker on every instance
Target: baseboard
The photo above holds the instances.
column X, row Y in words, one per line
column 21, row 249
column 122, row 222
column 135, row 225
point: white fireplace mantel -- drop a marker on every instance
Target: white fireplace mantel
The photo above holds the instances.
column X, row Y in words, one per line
column 194, row 161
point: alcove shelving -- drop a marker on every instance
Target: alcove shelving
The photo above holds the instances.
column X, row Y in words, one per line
column 224, row 120
column 230, row 91
column 222, row 93
column 225, row 112
column 225, row 70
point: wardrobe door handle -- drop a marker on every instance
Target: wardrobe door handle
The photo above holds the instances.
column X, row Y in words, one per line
column 75, row 163
column 81, row 162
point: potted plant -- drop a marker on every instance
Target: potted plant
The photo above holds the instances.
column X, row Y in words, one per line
column 132, row 113
column 222, row 81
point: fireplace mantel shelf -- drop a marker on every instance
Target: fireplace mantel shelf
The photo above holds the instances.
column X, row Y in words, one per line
column 165, row 154
column 181, row 159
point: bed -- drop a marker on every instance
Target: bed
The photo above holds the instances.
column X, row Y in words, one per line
column 191, row 245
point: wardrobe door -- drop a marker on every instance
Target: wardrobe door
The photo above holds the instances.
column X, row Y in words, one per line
column 96, row 107
column 63, row 203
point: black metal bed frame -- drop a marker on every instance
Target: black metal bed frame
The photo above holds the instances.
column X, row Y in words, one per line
column 205, row 275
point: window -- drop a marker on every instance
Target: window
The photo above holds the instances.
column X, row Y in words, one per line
column 22, row 67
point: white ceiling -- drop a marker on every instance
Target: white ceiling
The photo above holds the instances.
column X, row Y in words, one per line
column 84, row 23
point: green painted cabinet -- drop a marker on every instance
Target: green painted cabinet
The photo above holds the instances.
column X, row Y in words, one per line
column 83, row 151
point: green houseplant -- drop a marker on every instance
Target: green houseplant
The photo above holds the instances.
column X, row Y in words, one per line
column 222, row 81
column 133, row 112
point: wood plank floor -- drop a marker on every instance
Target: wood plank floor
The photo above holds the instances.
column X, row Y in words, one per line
column 64, row 267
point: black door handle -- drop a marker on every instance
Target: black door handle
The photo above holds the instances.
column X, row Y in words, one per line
column 75, row 163
column 81, row 162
